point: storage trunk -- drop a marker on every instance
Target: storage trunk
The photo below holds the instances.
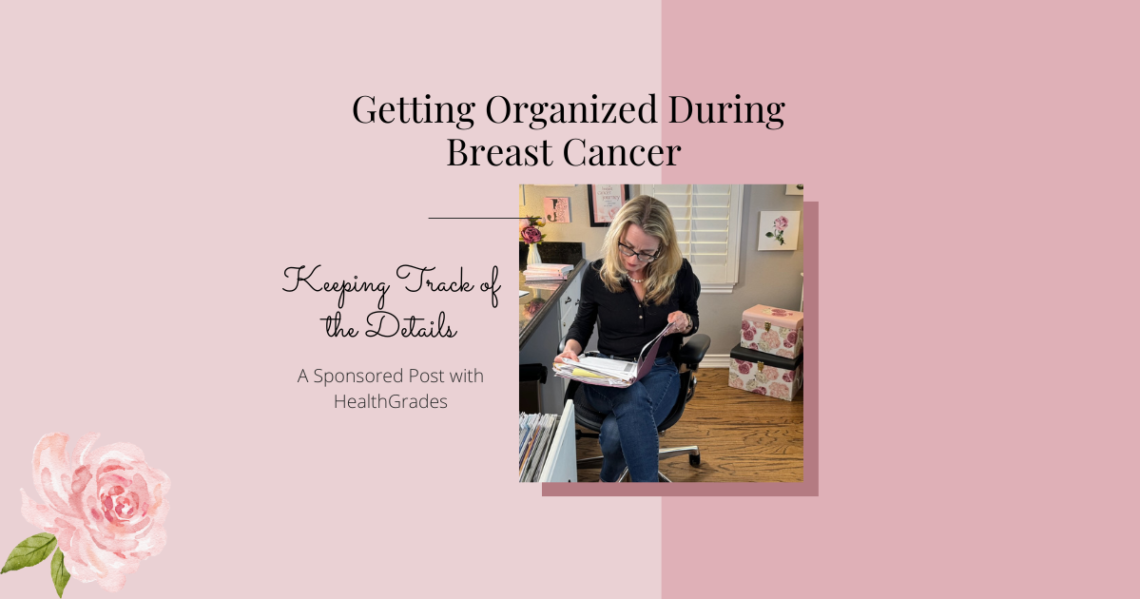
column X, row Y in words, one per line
column 774, row 376
column 773, row 331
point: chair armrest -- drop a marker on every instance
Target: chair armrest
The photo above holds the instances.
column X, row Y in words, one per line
column 693, row 351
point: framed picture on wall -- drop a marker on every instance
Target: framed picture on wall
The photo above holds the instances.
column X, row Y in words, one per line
column 779, row 230
column 605, row 201
column 557, row 210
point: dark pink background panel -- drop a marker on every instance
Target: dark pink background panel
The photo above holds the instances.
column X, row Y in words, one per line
column 975, row 297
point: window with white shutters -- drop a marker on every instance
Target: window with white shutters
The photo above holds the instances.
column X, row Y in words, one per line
column 707, row 218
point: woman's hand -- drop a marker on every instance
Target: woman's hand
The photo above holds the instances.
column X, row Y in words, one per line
column 573, row 348
column 680, row 322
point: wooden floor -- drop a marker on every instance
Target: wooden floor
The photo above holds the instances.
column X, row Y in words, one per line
column 743, row 437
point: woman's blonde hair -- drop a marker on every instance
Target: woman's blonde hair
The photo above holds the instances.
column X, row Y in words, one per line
column 653, row 216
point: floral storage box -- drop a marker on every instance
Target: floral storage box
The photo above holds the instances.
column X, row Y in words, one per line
column 773, row 331
column 774, row 376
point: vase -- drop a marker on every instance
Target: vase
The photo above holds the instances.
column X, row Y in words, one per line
column 533, row 256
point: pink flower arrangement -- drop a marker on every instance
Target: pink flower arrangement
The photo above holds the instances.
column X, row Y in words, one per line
column 105, row 507
column 534, row 305
column 743, row 367
column 528, row 229
column 531, row 235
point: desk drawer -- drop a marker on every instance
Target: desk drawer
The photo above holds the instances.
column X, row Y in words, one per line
column 565, row 327
column 568, row 303
column 568, row 306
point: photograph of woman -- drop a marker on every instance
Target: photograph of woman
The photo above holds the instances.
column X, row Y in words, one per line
column 641, row 285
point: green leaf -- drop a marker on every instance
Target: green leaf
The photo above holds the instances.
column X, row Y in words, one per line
column 768, row 234
column 59, row 573
column 30, row 552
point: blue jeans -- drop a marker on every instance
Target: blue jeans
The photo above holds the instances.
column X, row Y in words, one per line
column 629, row 429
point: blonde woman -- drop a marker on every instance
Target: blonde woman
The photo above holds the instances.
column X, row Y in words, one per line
column 640, row 286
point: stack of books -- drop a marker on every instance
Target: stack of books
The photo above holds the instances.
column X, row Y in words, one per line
column 536, row 431
column 547, row 272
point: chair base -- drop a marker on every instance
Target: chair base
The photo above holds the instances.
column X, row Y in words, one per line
column 692, row 451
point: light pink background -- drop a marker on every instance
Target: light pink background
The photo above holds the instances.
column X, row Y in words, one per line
column 162, row 166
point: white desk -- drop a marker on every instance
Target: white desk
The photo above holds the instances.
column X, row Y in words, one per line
column 562, row 462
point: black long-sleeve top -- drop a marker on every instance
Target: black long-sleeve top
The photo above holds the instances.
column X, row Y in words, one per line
column 625, row 325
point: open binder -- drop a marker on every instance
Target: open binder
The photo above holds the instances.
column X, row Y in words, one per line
column 609, row 372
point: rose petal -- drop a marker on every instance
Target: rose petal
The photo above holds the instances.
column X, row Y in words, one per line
column 51, row 471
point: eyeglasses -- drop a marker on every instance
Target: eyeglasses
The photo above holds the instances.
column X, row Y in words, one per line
column 629, row 252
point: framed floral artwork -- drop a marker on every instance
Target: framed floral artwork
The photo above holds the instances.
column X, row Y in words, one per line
column 779, row 230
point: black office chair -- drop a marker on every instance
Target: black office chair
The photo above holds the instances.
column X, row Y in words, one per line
column 688, row 358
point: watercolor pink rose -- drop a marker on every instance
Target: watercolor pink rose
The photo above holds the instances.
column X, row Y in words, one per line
column 743, row 367
column 103, row 511
column 749, row 335
column 786, row 353
column 779, row 390
column 771, row 373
